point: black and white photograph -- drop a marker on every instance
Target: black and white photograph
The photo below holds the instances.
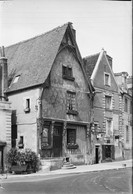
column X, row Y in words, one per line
column 66, row 97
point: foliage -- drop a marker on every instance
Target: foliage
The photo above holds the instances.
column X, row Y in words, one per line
column 23, row 157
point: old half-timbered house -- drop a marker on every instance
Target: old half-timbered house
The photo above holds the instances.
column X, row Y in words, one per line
column 51, row 95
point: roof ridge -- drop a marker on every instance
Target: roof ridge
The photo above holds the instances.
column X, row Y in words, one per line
column 39, row 35
column 91, row 55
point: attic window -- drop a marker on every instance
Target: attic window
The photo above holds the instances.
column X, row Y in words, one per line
column 16, row 79
column 107, row 79
column 67, row 73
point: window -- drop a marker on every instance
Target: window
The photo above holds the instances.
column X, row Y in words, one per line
column 27, row 106
column 109, row 127
column 106, row 79
column 108, row 102
column 71, row 103
column 28, row 103
column 127, row 134
column 21, row 142
column 71, row 136
column 45, row 138
column 126, row 105
column 67, row 73
column 131, row 107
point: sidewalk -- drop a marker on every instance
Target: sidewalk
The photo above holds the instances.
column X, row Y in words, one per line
column 78, row 169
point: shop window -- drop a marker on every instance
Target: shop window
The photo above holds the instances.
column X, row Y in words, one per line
column 45, row 139
column 126, row 105
column 71, row 103
column 108, row 102
column 67, row 73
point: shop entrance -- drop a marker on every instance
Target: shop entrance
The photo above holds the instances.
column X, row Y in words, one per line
column 108, row 152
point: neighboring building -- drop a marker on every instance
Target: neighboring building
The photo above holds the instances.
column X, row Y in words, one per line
column 50, row 95
column 105, row 139
column 125, row 86
column 5, row 112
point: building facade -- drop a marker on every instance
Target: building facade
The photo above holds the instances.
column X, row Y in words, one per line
column 5, row 113
column 51, row 96
column 105, row 138
column 125, row 88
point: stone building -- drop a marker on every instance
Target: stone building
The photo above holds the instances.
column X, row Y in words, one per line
column 5, row 112
column 51, row 96
column 125, row 88
column 105, row 138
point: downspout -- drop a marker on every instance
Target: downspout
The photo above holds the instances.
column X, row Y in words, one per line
column 39, row 120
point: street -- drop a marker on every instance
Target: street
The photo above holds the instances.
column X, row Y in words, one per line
column 109, row 181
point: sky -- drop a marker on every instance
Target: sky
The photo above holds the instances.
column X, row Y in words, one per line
column 98, row 24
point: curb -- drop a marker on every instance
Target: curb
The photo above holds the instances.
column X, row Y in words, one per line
column 68, row 171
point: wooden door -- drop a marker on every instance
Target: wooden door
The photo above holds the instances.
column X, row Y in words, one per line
column 57, row 141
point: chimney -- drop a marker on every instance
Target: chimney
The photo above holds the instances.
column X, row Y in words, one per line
column 3, row 73
column 73, row 30
column 74, row 33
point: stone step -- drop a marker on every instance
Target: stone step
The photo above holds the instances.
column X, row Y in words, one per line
column 68, row 167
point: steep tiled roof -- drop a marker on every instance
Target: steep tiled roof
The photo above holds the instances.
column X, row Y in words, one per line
column 89, row 63
column 33, row 59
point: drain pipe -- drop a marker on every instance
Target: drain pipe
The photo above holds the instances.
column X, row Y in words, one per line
column 39, row 119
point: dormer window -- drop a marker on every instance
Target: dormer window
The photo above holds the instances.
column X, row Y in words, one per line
column 16, row 79
column 107, row 79
column 67, row 73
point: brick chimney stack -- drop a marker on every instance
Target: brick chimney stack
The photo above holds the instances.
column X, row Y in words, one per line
column 3, row 73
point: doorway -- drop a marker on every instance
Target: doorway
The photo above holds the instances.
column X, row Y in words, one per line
column 97, row 154
column 57, row 141
column 107, row 151
column 1, row 159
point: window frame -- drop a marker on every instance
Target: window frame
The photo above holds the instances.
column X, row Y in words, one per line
column 109, row 79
